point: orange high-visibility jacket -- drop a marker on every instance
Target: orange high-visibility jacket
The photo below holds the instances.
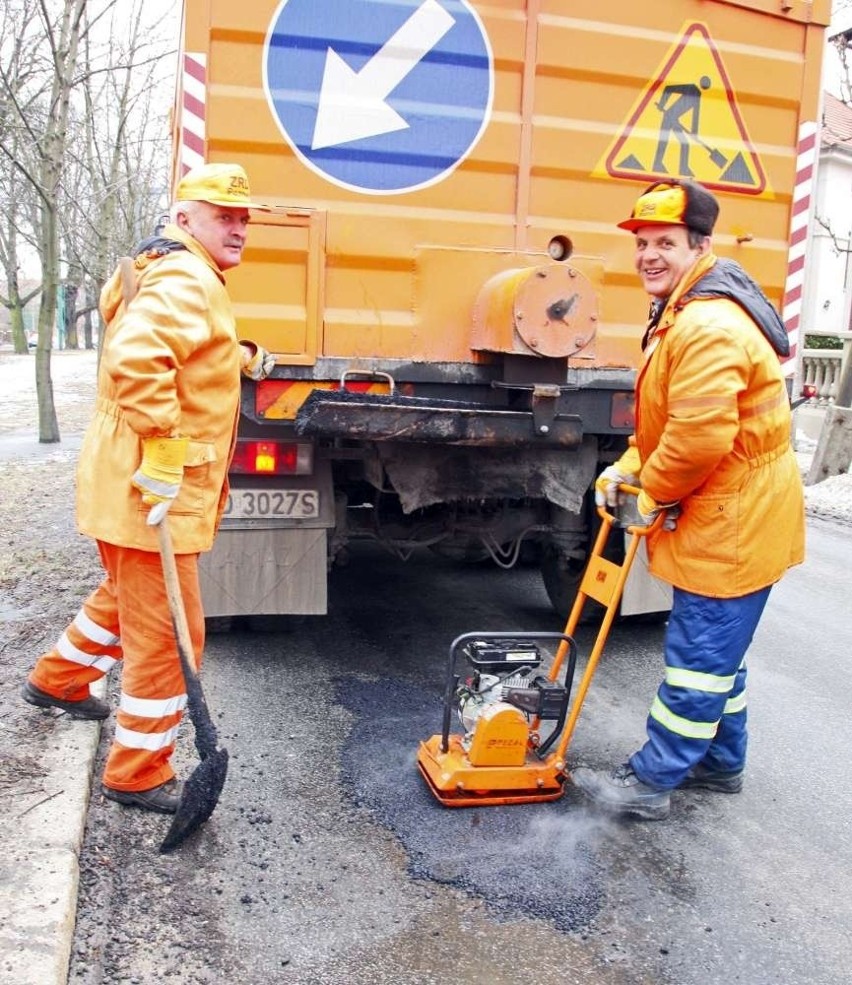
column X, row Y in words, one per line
column 713, row 433
column 170, row 365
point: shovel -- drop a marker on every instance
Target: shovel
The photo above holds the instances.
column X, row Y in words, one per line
column 201, row 791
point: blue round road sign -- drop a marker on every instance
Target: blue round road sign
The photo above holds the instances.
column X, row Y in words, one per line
column 380, row 96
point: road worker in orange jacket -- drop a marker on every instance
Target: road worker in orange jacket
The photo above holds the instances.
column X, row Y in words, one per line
column 163, row 432
column 712, row 448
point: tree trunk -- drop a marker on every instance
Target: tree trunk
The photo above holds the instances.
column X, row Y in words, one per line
column 19, row 330
column 53, row 148
column 15, row 305
column 70, row 312
column 88, row 340
column 48, row 425
column 14, row 302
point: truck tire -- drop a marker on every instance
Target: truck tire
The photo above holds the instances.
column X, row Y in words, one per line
column 562, row 576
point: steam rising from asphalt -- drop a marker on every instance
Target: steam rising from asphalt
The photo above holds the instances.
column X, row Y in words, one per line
column 536, row 860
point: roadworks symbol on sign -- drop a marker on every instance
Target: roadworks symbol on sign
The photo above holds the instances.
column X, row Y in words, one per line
column 687, row 124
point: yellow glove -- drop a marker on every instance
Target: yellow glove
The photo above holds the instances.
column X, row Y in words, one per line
column 160, row 473
column 256, row 362
column 648, row 508
column 625, row 470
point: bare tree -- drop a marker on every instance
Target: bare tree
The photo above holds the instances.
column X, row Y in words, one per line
column 117, row 178
column 78, row 134
column 63, row 39
column 841, row 41
column 21, row 95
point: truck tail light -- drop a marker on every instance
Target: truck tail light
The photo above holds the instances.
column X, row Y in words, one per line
column 623, row 410
column 272, row 458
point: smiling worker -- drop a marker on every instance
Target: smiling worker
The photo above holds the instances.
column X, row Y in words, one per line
column 712, row 446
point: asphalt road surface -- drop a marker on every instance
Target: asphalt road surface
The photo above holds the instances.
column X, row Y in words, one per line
column 328, row 861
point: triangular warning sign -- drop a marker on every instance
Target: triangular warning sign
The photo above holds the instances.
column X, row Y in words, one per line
column 686, row 124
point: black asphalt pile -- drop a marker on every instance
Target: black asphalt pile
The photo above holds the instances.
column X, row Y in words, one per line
column 524, row 858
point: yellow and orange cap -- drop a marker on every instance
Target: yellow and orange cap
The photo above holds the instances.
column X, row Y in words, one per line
column 220, row 184
column 674, row 203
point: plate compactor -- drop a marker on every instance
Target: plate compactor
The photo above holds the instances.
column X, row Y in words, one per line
column 504, row 699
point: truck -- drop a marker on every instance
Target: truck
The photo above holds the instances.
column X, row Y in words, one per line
column 455, row 316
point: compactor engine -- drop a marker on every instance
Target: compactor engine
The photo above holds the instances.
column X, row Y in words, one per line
column 502, row 697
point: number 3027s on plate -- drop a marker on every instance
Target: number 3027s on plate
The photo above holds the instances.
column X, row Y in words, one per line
column 270, row 504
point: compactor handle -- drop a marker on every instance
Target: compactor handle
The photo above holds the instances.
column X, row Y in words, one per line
column 640, row 529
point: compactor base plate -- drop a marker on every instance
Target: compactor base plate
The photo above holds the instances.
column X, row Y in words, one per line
column 452, row 779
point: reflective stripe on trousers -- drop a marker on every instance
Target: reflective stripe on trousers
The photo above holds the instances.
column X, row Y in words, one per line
column 130, row 602
column 699, row 713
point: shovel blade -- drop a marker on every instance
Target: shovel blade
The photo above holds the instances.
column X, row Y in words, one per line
column 198, row 801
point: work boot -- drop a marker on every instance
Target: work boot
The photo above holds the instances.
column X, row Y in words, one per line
column 622, row 792
column 89, row 709
column 163, row 799
column 703, row 778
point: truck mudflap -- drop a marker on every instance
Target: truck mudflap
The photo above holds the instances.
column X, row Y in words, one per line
column 378, row 417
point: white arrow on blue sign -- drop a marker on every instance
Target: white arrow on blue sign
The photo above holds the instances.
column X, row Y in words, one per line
column 379, row 96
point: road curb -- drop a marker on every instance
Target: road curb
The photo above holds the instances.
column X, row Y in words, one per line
column 39, row 867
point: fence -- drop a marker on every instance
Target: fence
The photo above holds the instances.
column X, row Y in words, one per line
column 821, row 368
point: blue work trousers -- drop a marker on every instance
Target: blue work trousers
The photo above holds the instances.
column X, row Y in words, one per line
column 699, row 713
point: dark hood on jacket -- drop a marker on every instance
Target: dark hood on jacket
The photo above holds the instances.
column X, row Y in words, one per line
column 157, row 246
column 727, row 279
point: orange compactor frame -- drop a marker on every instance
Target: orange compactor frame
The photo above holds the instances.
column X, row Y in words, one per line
column 518, row 721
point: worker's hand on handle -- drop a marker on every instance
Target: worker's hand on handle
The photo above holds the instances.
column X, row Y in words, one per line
column 624, row 471
column 160, row 472
column 649, row 509
column 158, row 512
column 256, row 362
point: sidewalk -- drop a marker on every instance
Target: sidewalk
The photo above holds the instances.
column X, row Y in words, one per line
column 46, row 758
column 39, row 870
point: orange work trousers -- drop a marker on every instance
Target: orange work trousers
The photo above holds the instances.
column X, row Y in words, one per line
column 127, row 619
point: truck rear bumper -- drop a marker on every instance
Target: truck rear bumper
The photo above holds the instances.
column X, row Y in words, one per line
column 376, row 417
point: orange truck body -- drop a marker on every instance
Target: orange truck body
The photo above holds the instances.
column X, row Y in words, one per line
column 455, row 314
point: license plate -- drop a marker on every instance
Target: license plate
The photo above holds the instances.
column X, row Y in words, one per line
column 271, row 504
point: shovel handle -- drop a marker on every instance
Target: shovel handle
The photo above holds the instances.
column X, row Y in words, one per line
column 176, row 607
column 128, row 279
column 206, row 739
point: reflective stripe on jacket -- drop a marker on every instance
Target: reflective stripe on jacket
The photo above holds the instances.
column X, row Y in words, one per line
column 170, row 365
column 713, row 433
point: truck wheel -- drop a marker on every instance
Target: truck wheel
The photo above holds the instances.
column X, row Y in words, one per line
column 562, row 576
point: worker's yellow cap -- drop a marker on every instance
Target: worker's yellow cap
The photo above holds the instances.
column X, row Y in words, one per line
column 674, row 203
column 219, row 184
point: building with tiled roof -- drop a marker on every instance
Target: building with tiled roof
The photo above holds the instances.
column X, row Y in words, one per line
column 836, row 122
column 829, row 261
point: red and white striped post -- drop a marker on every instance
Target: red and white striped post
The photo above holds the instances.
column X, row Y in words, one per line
column 800, row 220
column 193, row 112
